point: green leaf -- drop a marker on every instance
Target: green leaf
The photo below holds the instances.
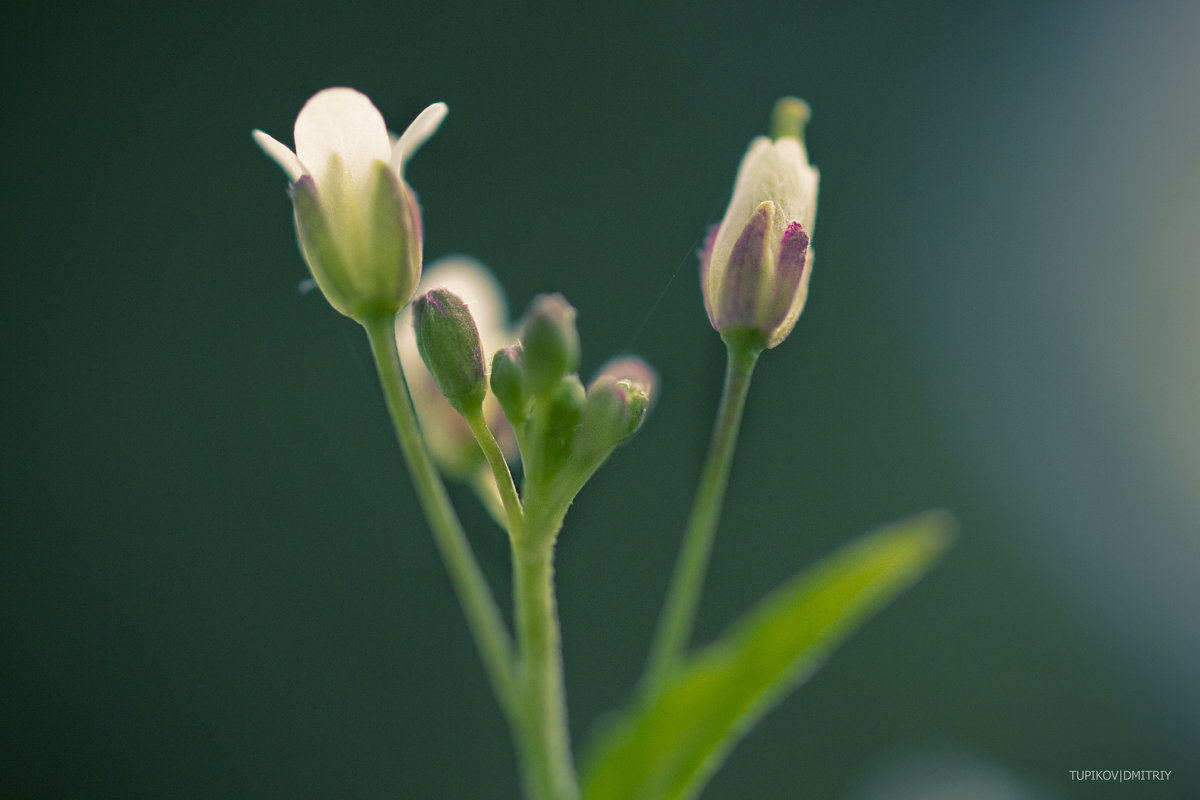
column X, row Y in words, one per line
column 667, row 747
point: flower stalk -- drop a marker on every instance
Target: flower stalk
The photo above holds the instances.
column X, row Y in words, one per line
column 549, row 766
column 683, row 597
column 478, row 604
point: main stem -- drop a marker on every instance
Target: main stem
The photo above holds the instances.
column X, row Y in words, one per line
column 549, row 768
column 478, row 604
column 683, row 596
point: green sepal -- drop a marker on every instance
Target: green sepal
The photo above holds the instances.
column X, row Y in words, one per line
column 319, row 246
column 366, row 261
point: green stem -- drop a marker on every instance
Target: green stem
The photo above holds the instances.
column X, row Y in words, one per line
column 495, row 458
column 549, row 768
column 683, row 596
column 479, row 606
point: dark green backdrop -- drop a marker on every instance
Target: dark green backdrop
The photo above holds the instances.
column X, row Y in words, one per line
column 215, row 579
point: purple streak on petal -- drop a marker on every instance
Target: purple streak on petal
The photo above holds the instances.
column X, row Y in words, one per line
column 793, row 252
column 741, row 285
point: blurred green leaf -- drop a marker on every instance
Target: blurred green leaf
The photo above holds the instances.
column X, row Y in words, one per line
column 667, row 747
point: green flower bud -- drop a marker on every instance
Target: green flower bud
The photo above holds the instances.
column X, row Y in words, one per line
column 448, row 342
column 560, row 420
column 446, row 433
column 618, row 400
column 551, row 342
column 508, row 383
column 789, row 117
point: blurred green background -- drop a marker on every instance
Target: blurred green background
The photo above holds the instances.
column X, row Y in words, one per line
column 215, row 579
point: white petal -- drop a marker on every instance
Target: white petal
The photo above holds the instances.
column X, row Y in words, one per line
column 341, row 122
column 741, row 206
column 777, row 171
column 280, row 154
column 794, row 183
column 424, row 126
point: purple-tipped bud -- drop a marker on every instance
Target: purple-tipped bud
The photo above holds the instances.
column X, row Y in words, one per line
column 448, row 342
column 756, row 263
column 618, row 399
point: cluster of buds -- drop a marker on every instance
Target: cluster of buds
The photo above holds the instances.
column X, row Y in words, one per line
column 756, row 262
column 565, row 428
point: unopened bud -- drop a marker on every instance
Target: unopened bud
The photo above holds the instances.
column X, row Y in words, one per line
column 508, row 383
column 448, row 342
column 560, row 422
column 755, row 265
column 618, row 400
column 551, row 342
column 789, row 118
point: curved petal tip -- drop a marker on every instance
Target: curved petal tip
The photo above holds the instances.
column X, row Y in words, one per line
column 280, row 154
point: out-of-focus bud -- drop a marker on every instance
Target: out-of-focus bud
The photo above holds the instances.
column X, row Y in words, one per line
column 618, row 399
column 789, row 118
column 551, row 342
column 756, row 263
column 560, row 422
column 508, row 383
column 448, row 342
column 357, row 220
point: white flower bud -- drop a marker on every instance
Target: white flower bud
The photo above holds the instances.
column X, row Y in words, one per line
column 756, row 263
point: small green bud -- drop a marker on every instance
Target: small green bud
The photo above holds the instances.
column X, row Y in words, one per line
column 560, row 421
column 551, row 342
column 508, row 383
column 789, row 118
column 618, row 400
column 448, row 342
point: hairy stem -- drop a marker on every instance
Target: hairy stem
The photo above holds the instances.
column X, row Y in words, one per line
column 550, row 771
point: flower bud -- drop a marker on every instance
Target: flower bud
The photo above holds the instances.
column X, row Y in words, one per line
column 756, row 263
column 560, row 421
column 508, row 383
column 446, row 433
column 618, row 399
column 357, row 220
column 448, row 342
column 789, row 118
column 551, row 342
